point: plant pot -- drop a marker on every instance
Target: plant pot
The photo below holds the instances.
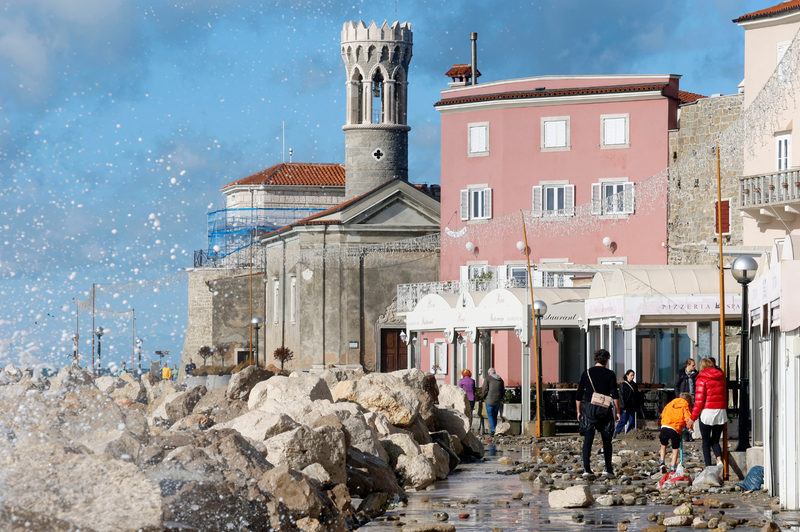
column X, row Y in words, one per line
column 191, row 382
column 217, row 381
column 512, row 412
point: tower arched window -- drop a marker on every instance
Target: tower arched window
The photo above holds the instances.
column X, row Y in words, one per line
column 378, row 94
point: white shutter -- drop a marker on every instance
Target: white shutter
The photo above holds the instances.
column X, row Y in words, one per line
column 537, row 200
column 614, row 130
column 463, row 272
column 569, row 200
column 482, row 144
column 561, row 133
column 465, row 204
column 433, row 357
column 549, row 134
column 538, row 278
column 443, row 348
column 477, row 139
column 502, row 276
column 568, row 281
column 597, row 198
column 487, row 203
column 628, row 199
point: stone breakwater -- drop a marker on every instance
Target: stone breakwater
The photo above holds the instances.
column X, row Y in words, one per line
column 268, row 453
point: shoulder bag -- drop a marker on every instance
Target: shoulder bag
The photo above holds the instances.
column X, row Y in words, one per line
column 598, row 399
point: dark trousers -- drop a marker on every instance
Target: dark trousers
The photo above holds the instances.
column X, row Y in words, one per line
column 711, row 434
column 588, row 440
column 491, row 412
column 626, row 418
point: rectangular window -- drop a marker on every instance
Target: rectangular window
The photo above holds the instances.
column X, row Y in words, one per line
column 783, row 151
column 476, row 204
column 614, row 131
column 726, row 217
column 438, row 360
column 613, row 198
column 518, row 276
column 555, row 133
column 478, row 139
column 276, row 302
column 293, row 300
column 554, row 200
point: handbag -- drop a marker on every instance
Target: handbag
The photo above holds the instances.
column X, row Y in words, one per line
column 598, row 399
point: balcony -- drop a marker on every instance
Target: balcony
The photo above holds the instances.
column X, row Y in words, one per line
column 770, row 197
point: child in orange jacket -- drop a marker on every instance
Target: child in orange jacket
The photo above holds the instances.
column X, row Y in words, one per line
column 674, row 418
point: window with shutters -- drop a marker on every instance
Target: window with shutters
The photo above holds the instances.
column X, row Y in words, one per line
column 555, row 134
column 518, row 276
column 613, row 197
column 478, row 139
column 476, row 203
column 614, row 131
column 554, row 200
column 438, row 361
column 783, row 151
column 726, row 217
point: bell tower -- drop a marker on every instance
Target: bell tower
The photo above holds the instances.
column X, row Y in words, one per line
column 376, row 133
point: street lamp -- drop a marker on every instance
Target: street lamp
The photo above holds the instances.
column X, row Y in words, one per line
column 139, row 343
column 99, row 333
column 256, row 322
column 744, row 270
column 539, row 310
column 74, row 338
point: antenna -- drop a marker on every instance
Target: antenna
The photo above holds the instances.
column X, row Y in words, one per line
column 291, row 152
column 283, row 136
column 395, row 10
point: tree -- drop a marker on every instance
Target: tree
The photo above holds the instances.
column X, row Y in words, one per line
column 205, row 353
column 220, row 350
column 283, row 354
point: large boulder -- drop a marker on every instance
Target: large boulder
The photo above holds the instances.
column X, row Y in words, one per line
column 417, row 472
column 259, row 426
column 161, row 411
column 427, row 410
column 79, row 488
column 208, row 506
column 107, row 383
column 242, row 383
column 132, row 392
column 303, row 446
column 333, row 376
column 413, row 378
column 399, row 444
column 399, row 405
column 296, row 498
column 454, row 398
column 448, row 443
column 439, row 458
column 454, row 422
column 472, row 446
column 115, row 443
column 216, row 405
column 69, row 378
column 158, row 393
column 574, row 497
column 182, row 405
column 288, row 389
column 419, row 431
column 377, row 472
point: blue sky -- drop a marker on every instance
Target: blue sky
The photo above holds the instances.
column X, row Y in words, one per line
column 121, row 120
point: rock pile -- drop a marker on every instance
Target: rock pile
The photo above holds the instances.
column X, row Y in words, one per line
column 270, row 452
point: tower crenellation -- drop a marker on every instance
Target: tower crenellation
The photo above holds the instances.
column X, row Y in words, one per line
column 376, row 60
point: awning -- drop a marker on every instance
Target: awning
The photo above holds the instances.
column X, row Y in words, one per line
column 662, row 295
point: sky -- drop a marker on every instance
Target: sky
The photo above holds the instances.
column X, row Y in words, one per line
column 120, row 121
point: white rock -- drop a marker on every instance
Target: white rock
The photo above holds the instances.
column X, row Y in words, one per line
column 503, row 428
column 605, row 500
column 454, row 422
column 574, row 497
column 260, row 426
column 70, row 378
column 107, row 383
column 399, row 405
column 161, row 411
column 299, row 386
column 454, row 398
column 410, row 377
column 678, row 520
column 114, row 443
column 439, row 458
column 318, row 473
column 303, row 446
column 397, row 444
column 417, row 472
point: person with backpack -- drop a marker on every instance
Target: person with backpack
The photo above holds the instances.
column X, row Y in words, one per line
column 597, row 391
column 628, row 402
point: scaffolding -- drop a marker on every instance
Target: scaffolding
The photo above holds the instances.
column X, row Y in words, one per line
column 230, row 230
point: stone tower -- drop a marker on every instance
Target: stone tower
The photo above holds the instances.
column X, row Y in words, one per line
column 376, row 133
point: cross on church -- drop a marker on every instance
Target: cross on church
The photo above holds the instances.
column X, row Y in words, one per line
column 378, row 154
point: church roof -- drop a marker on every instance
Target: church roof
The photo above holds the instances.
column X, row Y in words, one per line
column 300, row 174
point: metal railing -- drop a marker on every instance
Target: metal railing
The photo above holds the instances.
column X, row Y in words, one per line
column 769, row 189
column 241, row 258
column 408, row 295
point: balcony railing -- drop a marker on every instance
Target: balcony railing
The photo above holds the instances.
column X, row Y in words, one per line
column 770, row 196
column 408, row 295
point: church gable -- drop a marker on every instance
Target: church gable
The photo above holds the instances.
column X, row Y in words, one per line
column 402, row 205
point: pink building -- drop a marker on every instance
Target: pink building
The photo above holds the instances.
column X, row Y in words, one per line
column 547, row 144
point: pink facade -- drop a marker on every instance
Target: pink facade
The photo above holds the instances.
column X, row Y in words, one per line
column 551, row 132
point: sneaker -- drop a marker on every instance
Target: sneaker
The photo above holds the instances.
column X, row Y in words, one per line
column 663, row 468
column 588, row 476
column 607, row 474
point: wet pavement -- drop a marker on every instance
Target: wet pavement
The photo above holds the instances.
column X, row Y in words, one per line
column 488, row 499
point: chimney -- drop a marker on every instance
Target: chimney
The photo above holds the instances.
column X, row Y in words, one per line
column 474, row 38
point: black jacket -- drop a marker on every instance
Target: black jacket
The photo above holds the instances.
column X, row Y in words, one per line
column 684, row 382
column 494, row 390
column 628, row 396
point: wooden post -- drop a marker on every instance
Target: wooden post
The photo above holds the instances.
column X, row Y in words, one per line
column 250, row 357
column 722, row 354
column 535, row 351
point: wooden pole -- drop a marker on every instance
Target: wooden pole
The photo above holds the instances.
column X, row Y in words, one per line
column 133, row 342
column 77, row 334
column 250, row 358
column 722, row 354
column 92, row 333
column 535, row 351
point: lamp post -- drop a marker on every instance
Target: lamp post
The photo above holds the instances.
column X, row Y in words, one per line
column 99, row 333
column 139, row 343
column 539, row 310
column 744, row 270
column 256, row 325
column 75, row 352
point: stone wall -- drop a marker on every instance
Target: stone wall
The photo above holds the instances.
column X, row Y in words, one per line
column 374, row 155
column 287, row 197
column 692, row 213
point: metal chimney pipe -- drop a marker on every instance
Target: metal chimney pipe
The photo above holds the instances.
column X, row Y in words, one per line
column 474, row 38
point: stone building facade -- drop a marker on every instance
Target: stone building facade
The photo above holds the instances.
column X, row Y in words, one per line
column 692, row 217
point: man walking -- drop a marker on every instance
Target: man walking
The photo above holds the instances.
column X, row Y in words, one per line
column 190, row 367
column 494, row 389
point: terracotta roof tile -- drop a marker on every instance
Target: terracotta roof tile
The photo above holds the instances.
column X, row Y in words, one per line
column 519, row 95
column 302, row 174
column 689, row 97
column 779, row 9
column 461, row 71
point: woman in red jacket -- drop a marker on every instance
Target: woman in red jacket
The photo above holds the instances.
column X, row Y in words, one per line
column 710, row 406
